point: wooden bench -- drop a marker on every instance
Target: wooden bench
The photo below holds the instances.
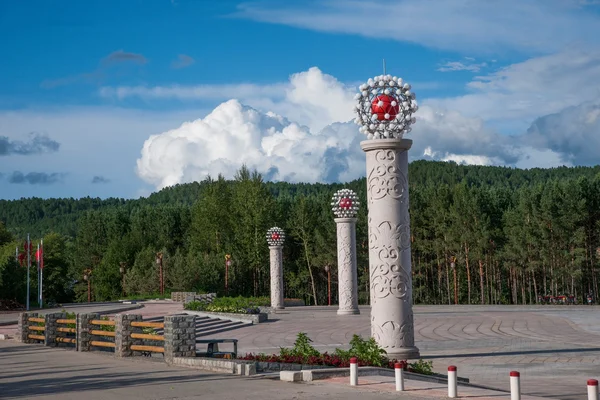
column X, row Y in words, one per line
column 213, row 348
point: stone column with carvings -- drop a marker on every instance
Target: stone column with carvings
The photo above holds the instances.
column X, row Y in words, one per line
column 385, row 107
column 275, row 239
column 345, row 206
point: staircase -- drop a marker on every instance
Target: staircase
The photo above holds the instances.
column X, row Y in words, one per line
column 206, row 326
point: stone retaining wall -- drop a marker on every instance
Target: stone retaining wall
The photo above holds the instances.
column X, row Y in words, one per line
column 180, row 337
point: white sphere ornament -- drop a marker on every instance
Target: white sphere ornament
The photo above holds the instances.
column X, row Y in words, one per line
column 357, row 96
column 385, row 109
column 275, row 236
column 413, row 120
column 344, row 203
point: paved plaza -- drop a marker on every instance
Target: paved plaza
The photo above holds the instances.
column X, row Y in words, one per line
column 556, row 348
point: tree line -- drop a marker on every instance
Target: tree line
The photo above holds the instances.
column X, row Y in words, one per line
column 480, row 235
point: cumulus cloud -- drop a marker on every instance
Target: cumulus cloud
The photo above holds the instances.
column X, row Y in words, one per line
column 233, row 135
column 36, row 145
column 484, row 26
column 183, row 61
column 574, row 133
column 36, row 178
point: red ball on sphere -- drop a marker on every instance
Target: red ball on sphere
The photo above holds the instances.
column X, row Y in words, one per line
column 382, row 105
column 345, row 203
column 275, row 236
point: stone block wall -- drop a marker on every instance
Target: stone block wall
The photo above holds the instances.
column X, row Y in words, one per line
column 180, row 336
column 181, row 296
column 123, row 331
column 203, row 298
column 51, row 325
column 23, row 328
column 83, row 330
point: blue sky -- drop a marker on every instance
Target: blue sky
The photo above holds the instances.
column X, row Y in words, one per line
column 85, row 84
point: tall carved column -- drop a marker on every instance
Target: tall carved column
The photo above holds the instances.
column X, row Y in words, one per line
column 384, row 110
column 275, row 239
column 345, row 206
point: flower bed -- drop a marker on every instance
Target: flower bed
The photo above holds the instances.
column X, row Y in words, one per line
column 368, row 353
column 234, row 305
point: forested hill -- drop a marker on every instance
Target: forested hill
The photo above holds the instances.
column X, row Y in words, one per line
column 40, row 216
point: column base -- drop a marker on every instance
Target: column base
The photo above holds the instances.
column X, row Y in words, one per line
column 278, row 308
column 348, row 312
column 404, row 353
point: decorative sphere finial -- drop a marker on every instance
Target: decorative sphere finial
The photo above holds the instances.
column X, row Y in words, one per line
column 384, row 108
column 275, row 236
column 344, row 203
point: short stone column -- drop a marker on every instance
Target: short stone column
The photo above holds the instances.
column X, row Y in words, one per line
column 123, row 331
column 345, row 206
column 180, row 336
column 392, row 323
column 51, row 332
column 23, row 328
column 84, row 337
column 275, row 239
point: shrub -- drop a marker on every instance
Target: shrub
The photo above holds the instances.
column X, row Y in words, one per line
column 236, row 305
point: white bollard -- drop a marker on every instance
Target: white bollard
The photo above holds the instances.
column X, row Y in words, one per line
column 398, row 368
column 592, row 385
column 452, row 382
column 515, row 385
column 353, row 371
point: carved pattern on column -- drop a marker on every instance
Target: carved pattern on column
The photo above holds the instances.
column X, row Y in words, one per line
column 385, row 178
column 347, row 274
column 395, row 334
column 276, row 277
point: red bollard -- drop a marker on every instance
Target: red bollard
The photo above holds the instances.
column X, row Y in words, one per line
column 592, row 385
column 399, row 376
column 515, row 385
column 353, row 371
column 452, row 382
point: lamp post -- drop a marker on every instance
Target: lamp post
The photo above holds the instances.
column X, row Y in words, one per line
column 328, row 270
column 275, row 239
column 159, row 262
column 87, row 276
column 227, row 265
column 384, row 111
column 122, row 271
column 344, row 205
column 453, row 266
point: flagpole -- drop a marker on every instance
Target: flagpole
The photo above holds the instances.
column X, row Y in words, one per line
column 42, row 275
column 28, row 264
column 37, row 262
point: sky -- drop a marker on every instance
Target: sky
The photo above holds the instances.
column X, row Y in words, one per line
column 111, row 98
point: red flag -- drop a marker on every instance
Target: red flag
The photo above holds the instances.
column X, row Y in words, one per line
column 37, row 255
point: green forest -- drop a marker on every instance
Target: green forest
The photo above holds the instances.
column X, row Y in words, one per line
column 515, row 235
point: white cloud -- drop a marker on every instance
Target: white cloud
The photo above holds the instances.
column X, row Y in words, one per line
column 524, row 91
column 233, row 135
column 574, row 133
column 452, row 66
column 465, row 25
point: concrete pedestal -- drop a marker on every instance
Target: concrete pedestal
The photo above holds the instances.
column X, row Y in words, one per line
column 347, row 274
column 276, row 277
column 389, row 246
